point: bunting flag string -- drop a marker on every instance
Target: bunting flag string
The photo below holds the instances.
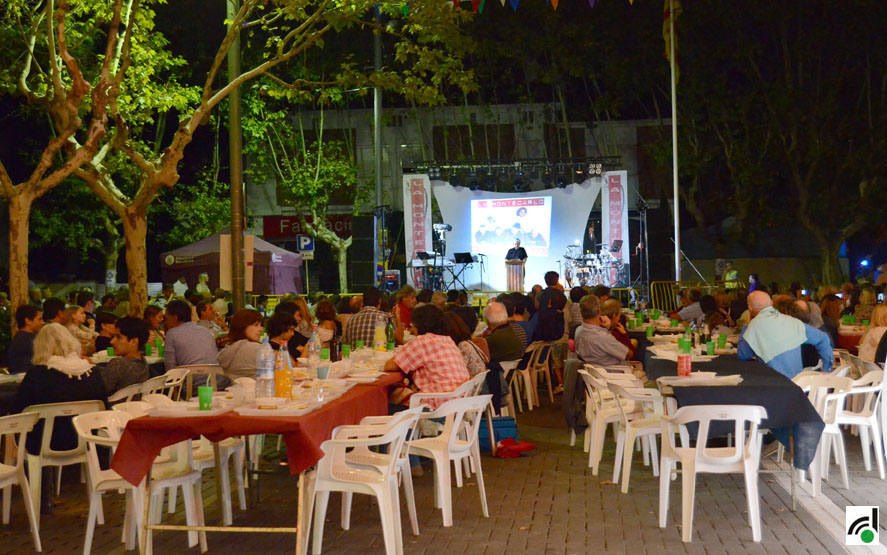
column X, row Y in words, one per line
column 514, row 4
column 478, row 6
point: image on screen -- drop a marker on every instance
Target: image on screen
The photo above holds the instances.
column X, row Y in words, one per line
column 496, row 223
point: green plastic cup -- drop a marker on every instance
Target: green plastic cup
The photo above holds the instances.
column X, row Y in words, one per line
column 649, row 331
column 722, row 341
column 675, row 322
column 346, row 350
column 160, row 350
column 390, row 347
column 110, row 351
column 865, row 323
column 710, row 348
column 205, row 397
column 158, row 342
column 147, row 349
column 358, row 345
column 687, row 346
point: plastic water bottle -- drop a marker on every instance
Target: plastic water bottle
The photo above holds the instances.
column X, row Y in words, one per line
column 312, row 352
column 265, row 370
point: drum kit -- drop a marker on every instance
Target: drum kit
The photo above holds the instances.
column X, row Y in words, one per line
column 581, row 269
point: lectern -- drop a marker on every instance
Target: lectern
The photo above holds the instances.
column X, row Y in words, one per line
column 514, row 269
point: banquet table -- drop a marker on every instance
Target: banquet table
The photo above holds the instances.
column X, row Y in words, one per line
column 788, row 409
column 144, row 437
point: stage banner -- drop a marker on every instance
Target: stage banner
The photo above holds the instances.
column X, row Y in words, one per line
column 614, row 221
column 417, row 216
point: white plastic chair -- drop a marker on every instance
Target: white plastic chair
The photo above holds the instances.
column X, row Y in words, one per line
column 210, row 370
column 15, row 429
column 827, row 393
column 48, row 456
column 362, row 456
column 169, row 476
column 448, row 446
column 336, row 473
column 645, row 428
column 204, row 458
column 865, row 415
column 600, row 411
column 173, row 385
column 743, row 458
column 126, row 394
column 538, row 367
column 509, row 369
column 109, row 425
column 152, row 385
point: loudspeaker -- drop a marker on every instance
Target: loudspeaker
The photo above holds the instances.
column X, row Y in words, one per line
column 362, row 256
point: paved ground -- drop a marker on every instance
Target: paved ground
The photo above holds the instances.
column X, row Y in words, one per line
column 546, row 502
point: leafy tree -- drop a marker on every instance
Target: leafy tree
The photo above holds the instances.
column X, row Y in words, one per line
column 69, row 216
column 800, row 110
column 40, row 64
column 429, row 47
column 309, row 173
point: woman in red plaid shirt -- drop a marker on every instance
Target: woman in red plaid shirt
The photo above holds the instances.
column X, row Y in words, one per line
column 432, row 361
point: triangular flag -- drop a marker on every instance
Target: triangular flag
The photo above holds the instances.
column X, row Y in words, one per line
column 503, row 3
column 591, row 3
column 477, row 6
column 554, row 4
column 514, row 4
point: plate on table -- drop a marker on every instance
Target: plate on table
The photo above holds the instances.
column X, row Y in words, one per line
column 186, row 408
column 287, row 407
column 153, row 359
column 366, row 377
column 100, row 357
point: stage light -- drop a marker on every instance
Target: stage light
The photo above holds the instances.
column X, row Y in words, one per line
column 519, row 182
column 534, row 174
column 864, row 262
column 489, row 182
column 580, row 173
column 456, row 180
column 561, row 180
column 434, row 173
column 502, row 177
column 473, row 182
column 595, row 168
column 547, row 178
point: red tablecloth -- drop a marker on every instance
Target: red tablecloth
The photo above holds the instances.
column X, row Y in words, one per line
column 145, row 437
column 849, row 342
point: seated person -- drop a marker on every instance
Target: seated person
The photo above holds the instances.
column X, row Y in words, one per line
column 238, row 358
column 776, row 339
column 106, row 323
column 475, row 359
column 206, row 315
column 431, row 360
column 58, row 375
column 692, row 310
column 297, row 343
column 186, row 342
column 611, row 309
column 29, row 320
column 504, row 345
column 595, row 344
column 281, row 328
column 128, row 366
column 154, row 320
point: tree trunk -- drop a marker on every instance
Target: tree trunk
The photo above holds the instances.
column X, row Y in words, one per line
column 831, row 269
column 135, row 228
column 341, row 250
column 19, row 219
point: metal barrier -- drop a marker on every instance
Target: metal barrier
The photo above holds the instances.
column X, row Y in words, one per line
column 664, row 294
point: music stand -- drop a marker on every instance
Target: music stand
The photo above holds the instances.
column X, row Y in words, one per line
column 465, row 259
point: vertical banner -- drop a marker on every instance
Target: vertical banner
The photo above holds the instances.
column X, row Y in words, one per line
column 614, row 224
column 417, row 225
